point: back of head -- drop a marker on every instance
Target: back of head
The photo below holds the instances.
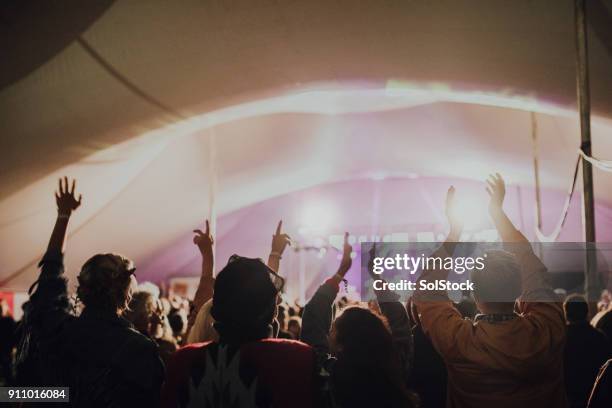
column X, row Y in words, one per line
column 367, row 361
column 178, row 322
column 105, row 282
column 244, row 300
column 576, row 309
column 500, row 279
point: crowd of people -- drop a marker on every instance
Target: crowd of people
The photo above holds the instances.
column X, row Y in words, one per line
column 238, row 344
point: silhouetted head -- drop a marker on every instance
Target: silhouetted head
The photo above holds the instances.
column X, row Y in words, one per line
column 245, row 299
column 106, row 282
column 367, row 361
column 178, row 322
column 576, row 309
column 498, row 284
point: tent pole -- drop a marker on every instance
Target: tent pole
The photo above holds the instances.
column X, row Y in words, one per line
column 591, row 282
column 536, row 174
column 536, row 169
column 212, row 184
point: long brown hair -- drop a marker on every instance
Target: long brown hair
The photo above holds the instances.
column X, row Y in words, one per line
column 368, row 371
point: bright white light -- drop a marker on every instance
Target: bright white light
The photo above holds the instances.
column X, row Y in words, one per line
column 317, row 216
column 336, row 241
column 377, row 175
column 400, row 237
column 425, row 236
column 473, row 211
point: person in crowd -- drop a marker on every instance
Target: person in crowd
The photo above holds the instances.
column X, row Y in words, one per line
column 586, row 350
column 201, row 323
column 177, row 318
column 103, row 360
column 203, row 327
column 604, row 323
column 605, row 300
column 246, row 366
column 365, row 357
column 503, row 358
column 146, row 313
column 294, row 326
column 8, row 341
column 429, row 376
column 282, row 318
column 601, row 395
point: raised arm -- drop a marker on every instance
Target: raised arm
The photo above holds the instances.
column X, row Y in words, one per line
column 204, row 241
column 280, row 241
column 52, row 262
column 496, row 188
column 446, row 249
column 48, row 305
column 534, row 277
column 317, row 318
column 439, row 318
column 66, row 204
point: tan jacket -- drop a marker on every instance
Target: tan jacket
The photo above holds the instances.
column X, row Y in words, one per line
column 516, row 363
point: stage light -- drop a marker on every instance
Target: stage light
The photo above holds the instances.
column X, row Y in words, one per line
column 400, row 237
column 425, row 236
column 378, row 175
column 316, row 216
column 473, row 211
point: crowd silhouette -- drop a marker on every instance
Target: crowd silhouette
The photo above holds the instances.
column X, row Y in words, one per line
column 238, row 344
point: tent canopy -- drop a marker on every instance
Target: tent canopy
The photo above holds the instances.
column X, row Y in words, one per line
column 148, row 102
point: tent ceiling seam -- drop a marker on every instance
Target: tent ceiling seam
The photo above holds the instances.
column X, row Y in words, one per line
column 121, row 78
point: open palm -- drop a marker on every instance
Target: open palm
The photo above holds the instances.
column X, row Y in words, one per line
column 65, row 198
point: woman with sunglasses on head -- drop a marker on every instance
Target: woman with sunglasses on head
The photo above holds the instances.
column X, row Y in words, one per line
column 98, row 355
column 245, row 366
column 365, row 356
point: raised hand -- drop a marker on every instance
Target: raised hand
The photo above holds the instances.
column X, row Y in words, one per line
column 279, row 241
column 454, row 219
column 204, row 240
column 496, row 188
column 65, row 198
column 347, row 261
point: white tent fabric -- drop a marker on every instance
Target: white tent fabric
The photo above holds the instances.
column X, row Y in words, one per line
column 296, row 94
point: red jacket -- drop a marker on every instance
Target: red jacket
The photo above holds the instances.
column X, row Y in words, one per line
column 264, row 373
